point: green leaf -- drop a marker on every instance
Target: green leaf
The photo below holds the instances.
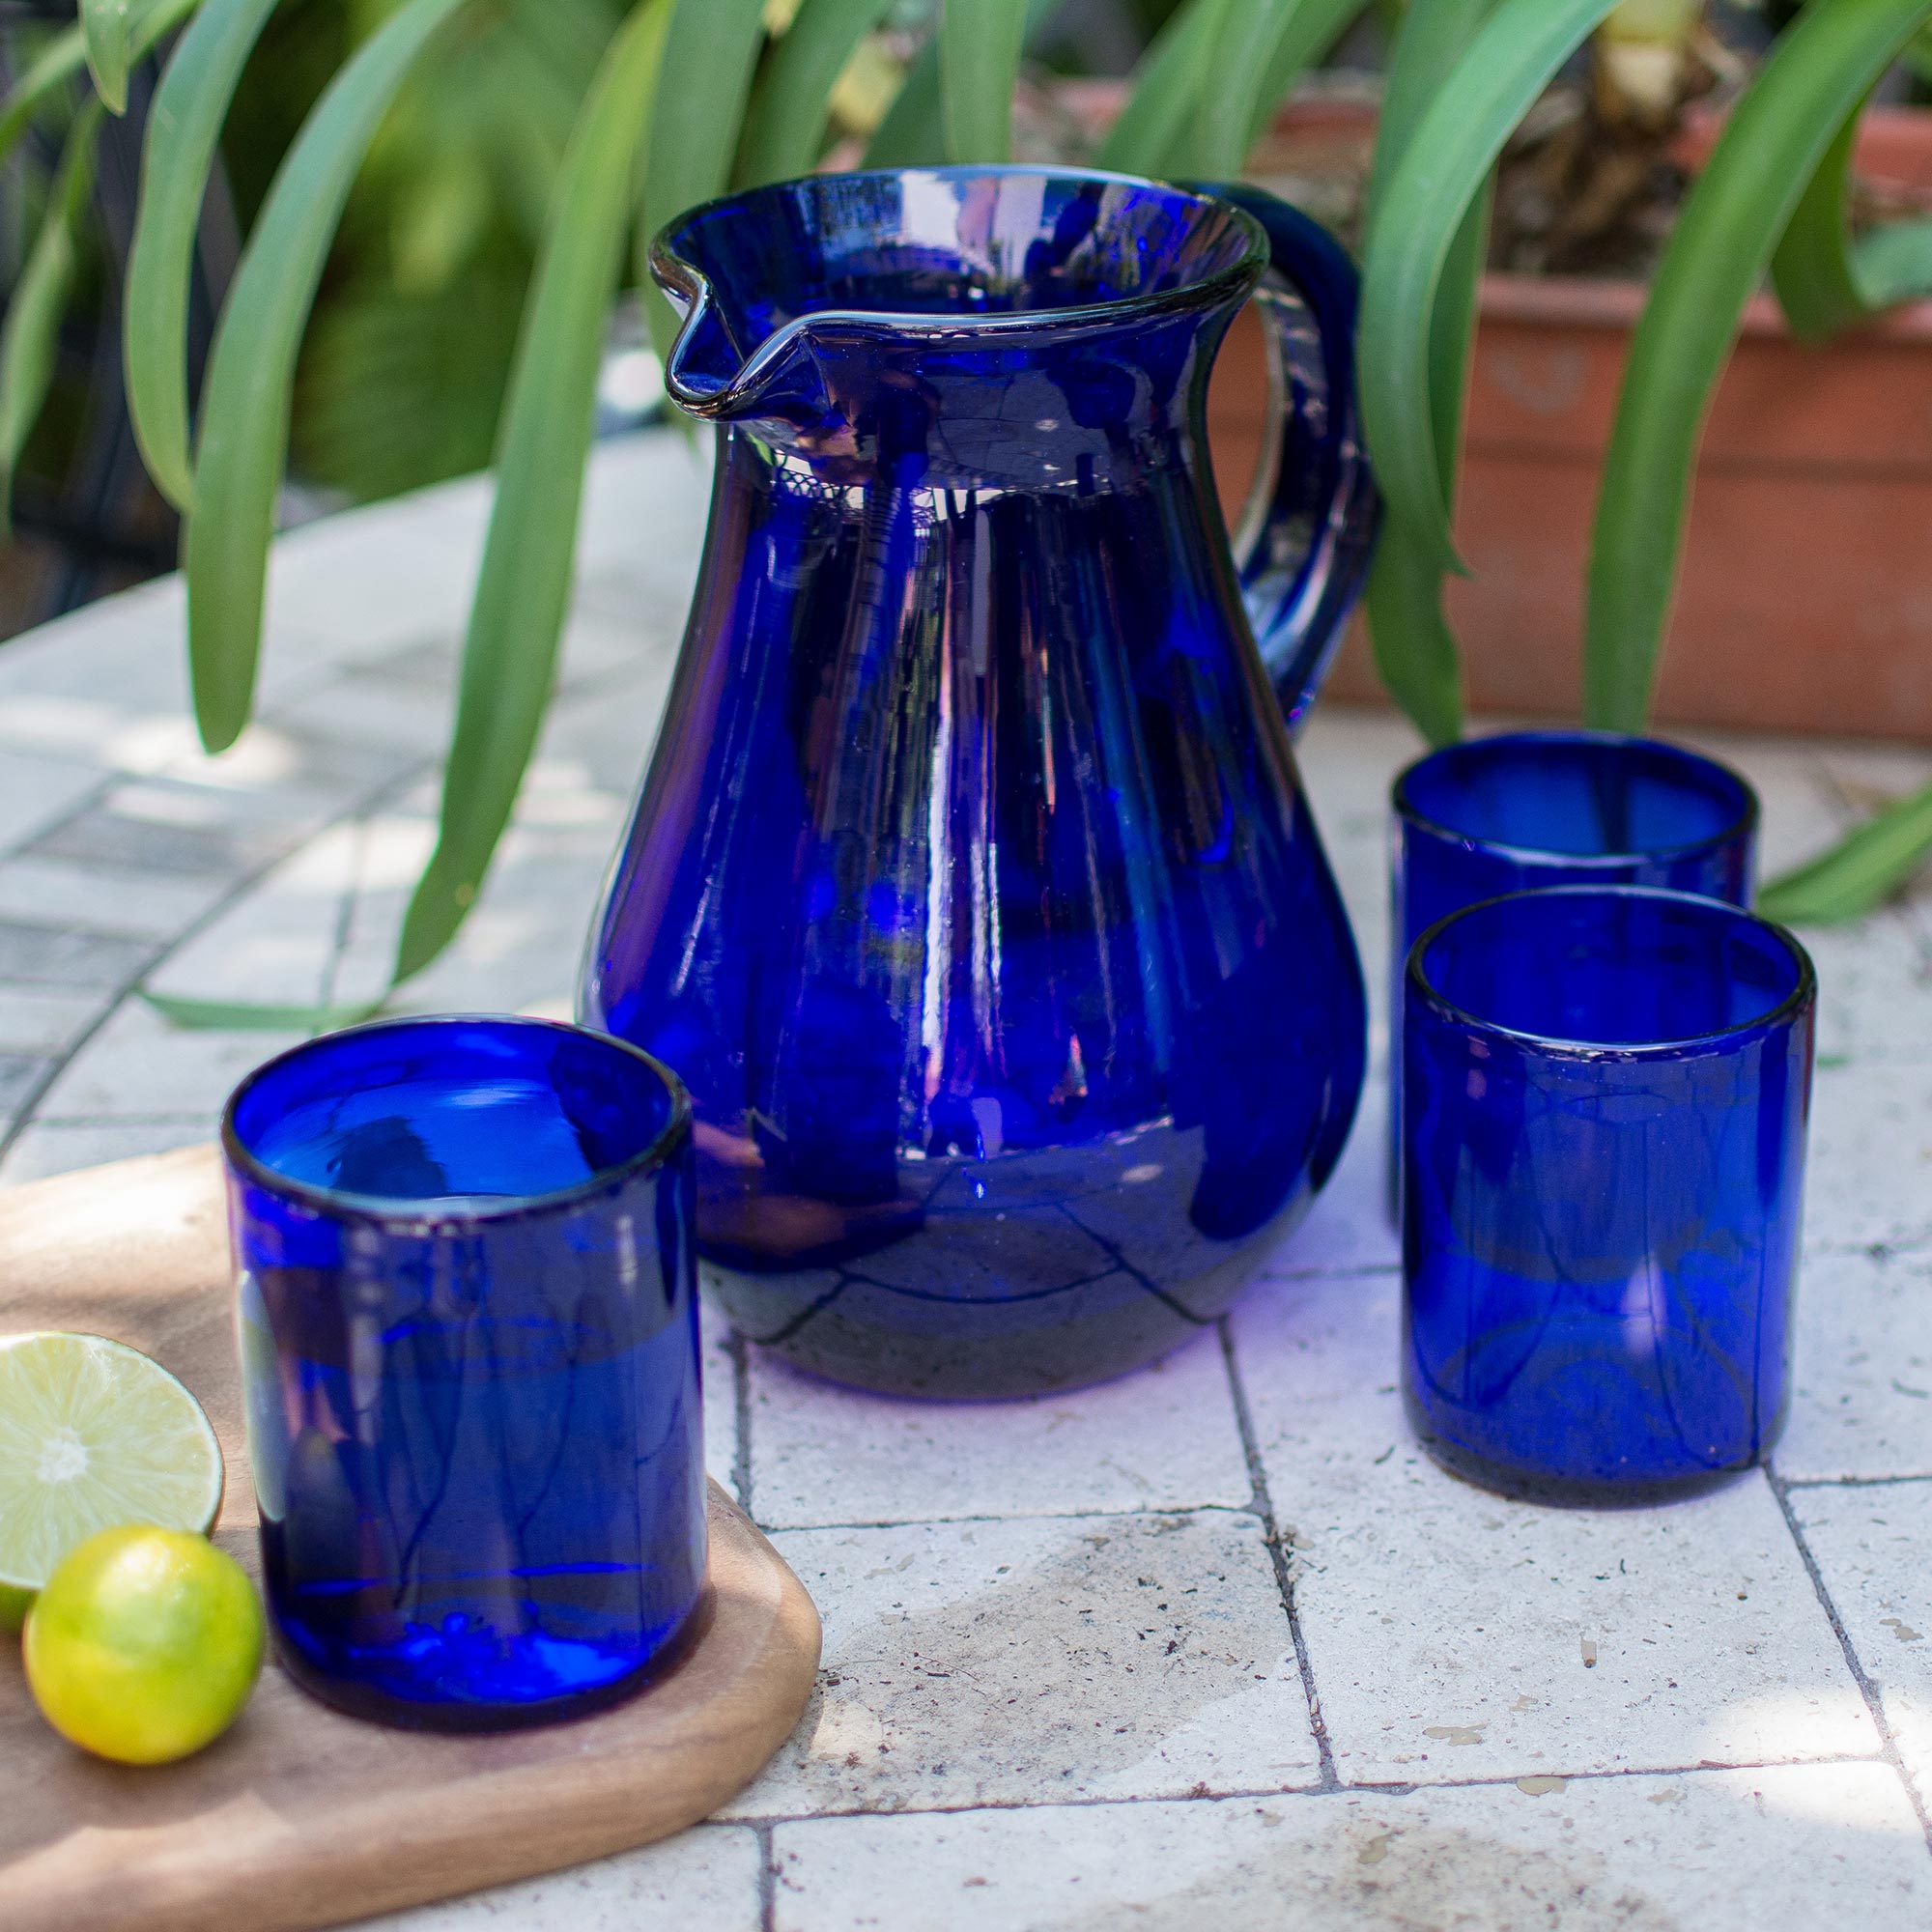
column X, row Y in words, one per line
column 710, row 47
column 980, row 44
column 241, row 1016
column 1779, row 135
column 1857, row 876
column 64, row 55
column 1167, row 85
column 30, row 335
column 1433, row 39
column 784, row 126
column 1415, row 650
column 522, row 592
column 183, row 127
column 245, row 430
column 1509, row 62
column 104, row 27
column 1825, row 280
column 912, row 136
column 1264, row 48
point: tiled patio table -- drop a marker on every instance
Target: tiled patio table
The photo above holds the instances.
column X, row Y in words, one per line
column 1210, row 1646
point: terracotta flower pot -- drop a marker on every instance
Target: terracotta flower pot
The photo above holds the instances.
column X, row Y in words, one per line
column 1806, row 602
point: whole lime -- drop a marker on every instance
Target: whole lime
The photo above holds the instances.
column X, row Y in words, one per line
column 143, row 1644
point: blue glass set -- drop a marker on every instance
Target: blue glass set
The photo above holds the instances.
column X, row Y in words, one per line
column 972, row 992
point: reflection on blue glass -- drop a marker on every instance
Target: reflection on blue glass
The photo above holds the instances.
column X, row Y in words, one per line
column 469, row 1337
column 971, row 891
column 1605, row 1103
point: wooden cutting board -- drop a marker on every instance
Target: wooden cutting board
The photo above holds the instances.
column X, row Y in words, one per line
column 298, row 1817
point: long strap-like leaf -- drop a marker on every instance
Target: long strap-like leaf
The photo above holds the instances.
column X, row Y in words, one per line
column 64, row 55
column 980, row 44
column 1165, row 92
column 1415, row 649
column 786, row 120
column 190, row 104
column 522, row 592
column 31, row 331
column 912, row 136
column 1779, row 134
column 709, row 51
column 107, row 26
column 1509, row 62
column 1826, row 281
column 244, row 429
column 1859, row 874
column 1264, row 46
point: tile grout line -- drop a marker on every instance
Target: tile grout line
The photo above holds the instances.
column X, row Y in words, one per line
column 1263, row 1507
column 1851, row 1482
column 1867, row 1689
column 1368, row 1788
column 739, row 1350
column 768, row 1878
column 347, row 909
column 1155, row 1510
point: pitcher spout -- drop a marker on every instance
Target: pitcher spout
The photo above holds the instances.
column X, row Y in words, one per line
column 847, row 297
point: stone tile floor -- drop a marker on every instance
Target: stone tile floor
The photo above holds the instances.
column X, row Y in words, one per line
column 1209, row 1646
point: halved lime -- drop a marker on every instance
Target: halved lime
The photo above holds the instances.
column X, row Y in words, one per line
column 93, row 1433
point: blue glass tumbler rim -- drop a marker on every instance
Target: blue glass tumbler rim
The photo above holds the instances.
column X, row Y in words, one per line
column 1553, row 1046
column 393, row 1212
column 674, row 273
column 1742, row 826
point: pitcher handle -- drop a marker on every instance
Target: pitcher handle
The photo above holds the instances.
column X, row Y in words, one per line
column 1308, row 527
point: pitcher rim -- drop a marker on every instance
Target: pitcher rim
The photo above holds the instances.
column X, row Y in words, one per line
column 677, row 275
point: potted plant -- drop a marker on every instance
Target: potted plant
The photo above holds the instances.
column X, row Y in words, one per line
column 692, row 96
column 1807, row 576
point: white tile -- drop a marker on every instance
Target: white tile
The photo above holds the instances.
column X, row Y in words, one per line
column 1448, row 1630
column 1862, row 1388
column 395, row 713
column 1019, row 1662
column 103, row 898
column 704, row 1880
column 1874, row 991
column 43, row 1020
column 1758, row 1851
column 127, row 651
column 36, row 792
column 1164, row 1437
column 1868, row 1180
column 644, row 509
column 368, row 582
column 48, row 1148
column 1869, row 1544
column 140, row 1064
column 275, row 945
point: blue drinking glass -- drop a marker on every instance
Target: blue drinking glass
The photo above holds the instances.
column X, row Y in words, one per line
column 468, row 1335
column 1524, row 810
column 1605, row 1101
column 1528, row 810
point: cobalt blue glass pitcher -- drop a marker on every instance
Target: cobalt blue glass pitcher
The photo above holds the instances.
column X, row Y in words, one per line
column 972, row 890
